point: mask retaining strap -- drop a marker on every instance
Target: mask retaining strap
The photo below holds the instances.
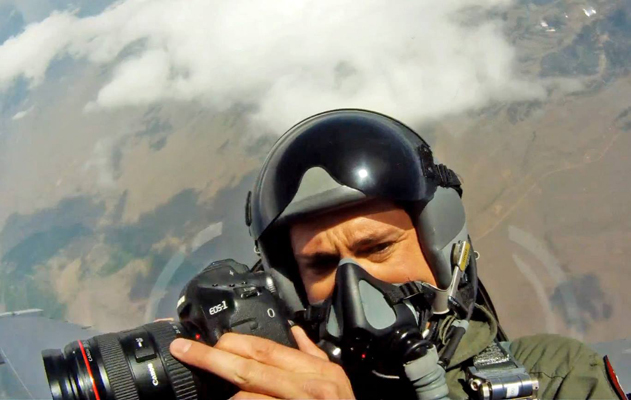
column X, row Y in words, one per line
column 407, row 291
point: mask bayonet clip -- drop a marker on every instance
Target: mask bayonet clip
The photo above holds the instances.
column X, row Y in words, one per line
column 460, row 262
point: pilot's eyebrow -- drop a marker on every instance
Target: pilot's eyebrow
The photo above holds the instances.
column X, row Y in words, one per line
column 375, row 239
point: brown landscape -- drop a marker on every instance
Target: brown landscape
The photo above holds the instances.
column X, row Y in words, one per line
column 557, row 177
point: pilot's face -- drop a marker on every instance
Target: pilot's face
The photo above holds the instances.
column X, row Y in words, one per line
column 378, row 235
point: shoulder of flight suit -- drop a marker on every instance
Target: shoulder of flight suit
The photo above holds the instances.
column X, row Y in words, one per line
column 566, row 368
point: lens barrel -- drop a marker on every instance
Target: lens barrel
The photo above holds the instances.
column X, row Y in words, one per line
column 128, row 365
column 62, row 386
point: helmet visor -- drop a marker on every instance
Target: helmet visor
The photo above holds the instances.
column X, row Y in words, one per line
column 366, row 151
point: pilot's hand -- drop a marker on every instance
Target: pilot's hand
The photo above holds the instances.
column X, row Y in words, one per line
column 264, row 369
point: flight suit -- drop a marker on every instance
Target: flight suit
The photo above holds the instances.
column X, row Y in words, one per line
column 565, row 368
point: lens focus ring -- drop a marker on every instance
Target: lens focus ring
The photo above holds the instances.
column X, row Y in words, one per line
column 116, row 367
column 180, row 376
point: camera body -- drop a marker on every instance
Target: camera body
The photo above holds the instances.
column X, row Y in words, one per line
column 227, row 297
column 136, row 364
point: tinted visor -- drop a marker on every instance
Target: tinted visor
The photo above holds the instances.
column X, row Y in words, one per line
column 363, row 150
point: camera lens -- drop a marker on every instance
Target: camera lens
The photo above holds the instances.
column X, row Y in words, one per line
column 128, row 365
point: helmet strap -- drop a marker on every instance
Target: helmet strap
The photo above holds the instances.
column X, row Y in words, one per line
column 440, row 174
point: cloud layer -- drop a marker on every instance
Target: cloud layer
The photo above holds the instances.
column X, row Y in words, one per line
column 283, row 59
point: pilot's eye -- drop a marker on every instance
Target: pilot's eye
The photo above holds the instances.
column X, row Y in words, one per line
column 322, row 264
column 380, row 247
column 377, row 249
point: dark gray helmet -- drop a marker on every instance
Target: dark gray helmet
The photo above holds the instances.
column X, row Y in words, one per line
column 340, row 158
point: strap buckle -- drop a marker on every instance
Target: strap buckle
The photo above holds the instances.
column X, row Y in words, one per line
column 496, row 374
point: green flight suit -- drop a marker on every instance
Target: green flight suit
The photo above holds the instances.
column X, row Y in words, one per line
column 566, row 368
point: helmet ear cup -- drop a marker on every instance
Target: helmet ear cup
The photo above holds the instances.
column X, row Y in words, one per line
column 441, row 223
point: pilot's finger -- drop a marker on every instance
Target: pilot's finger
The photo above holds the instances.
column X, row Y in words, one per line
column 250, row 396
column 305, row 344
column 248, row 374
column 270, row 353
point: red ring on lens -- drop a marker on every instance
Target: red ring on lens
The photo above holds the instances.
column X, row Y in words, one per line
column 87, row 364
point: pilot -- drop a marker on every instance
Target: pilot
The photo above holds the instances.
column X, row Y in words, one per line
column 366, row 238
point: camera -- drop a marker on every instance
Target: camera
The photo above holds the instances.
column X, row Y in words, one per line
column 136, row 364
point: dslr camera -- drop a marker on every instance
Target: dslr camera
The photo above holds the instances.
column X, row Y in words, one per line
column 136, row 364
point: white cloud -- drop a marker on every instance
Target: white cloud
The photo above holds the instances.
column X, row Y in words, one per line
column 30, row 53
column 21, row 114
column 412, row 59
column 101, row 162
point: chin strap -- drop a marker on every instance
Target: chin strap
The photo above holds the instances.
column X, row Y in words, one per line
column 313, row 313
column 312, row 317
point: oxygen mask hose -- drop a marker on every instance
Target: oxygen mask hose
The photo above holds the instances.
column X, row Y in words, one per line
column 420, row 362
column 427, row 376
